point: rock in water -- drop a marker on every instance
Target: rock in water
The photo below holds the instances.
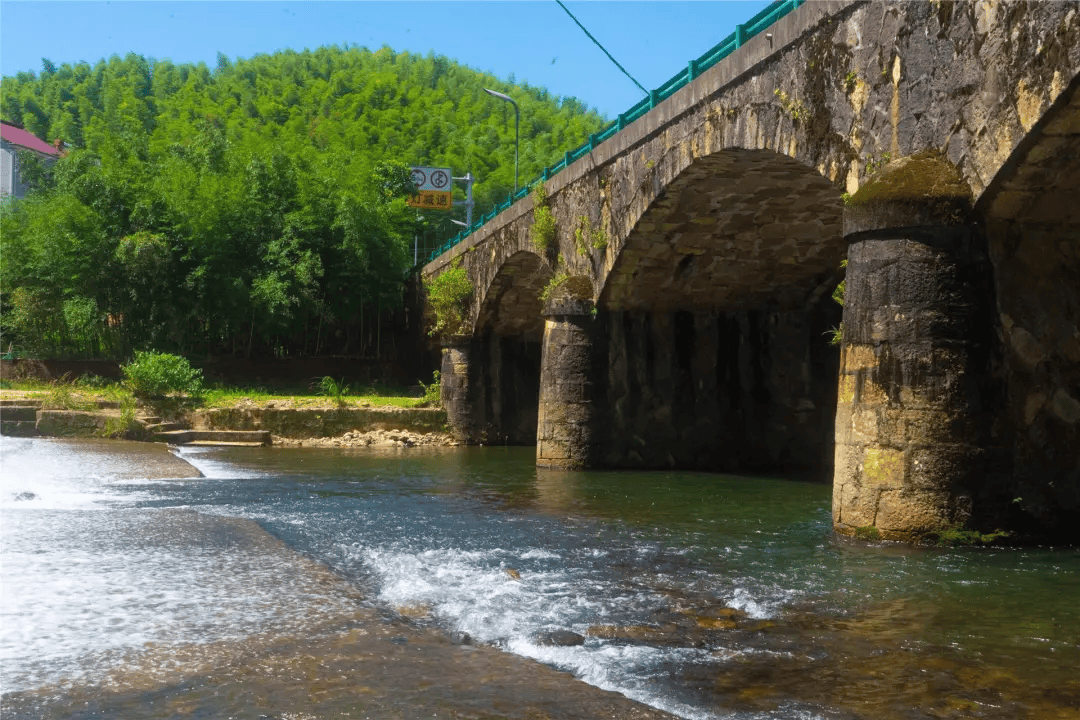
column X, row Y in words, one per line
column 558, row 638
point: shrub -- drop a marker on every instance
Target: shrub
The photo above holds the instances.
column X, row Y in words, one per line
column 543, row 227
column 448, row 294
column 160, row 374
column 554, row 283
column 432, row 393
column 335, row 389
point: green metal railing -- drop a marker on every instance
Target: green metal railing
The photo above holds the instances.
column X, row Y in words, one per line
column 743, row 32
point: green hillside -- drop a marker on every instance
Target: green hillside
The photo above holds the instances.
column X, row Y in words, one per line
column 237, row 209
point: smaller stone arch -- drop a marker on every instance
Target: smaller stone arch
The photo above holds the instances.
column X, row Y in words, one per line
column 496, row 370
column 512, row 305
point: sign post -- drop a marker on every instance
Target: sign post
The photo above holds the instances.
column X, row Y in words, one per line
column 434, row 186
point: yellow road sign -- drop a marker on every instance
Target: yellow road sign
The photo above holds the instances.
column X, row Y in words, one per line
column 432, row 200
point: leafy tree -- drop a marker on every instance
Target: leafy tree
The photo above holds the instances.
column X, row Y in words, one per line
column 255, row 208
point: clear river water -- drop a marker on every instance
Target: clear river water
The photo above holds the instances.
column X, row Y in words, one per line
column 284, row 582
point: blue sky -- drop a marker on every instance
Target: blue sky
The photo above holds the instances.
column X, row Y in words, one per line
column 535, row 40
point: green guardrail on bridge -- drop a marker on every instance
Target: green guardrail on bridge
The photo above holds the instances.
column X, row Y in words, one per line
column 694, row 68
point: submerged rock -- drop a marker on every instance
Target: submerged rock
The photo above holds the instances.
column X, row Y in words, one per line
column 558, row 638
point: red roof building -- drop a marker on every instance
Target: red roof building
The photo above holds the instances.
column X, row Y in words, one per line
column 14, row 139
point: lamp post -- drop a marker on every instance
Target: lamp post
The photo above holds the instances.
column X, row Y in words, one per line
column 517, row 122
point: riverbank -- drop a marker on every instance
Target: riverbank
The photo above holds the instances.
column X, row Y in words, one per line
column 288, row 422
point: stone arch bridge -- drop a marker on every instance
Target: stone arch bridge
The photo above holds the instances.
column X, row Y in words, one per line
column 680, row 315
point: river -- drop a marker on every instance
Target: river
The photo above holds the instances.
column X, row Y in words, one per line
column 306, row 584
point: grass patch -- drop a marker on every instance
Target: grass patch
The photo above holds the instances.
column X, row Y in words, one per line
column 25, row 385
column 960, row 537
column 124, row 424
column 868, row 533
column 376, row 395
column 63, row 395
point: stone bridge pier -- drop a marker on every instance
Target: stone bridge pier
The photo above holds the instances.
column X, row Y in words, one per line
column 681, row 314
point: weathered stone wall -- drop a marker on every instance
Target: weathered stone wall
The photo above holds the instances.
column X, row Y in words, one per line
column 457, row 389
column 568, row 431
column 751, row 390
column 915, row 453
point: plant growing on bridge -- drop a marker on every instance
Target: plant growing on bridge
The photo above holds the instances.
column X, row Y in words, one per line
column 581, row 232
column 553, row 284
column 543, row 227
column 868, row 533
column 850, row 81
column 586, row 237
column 448, row 294
column 837, row 333
column 876, row 163
column 794, row 108
column 838, row 293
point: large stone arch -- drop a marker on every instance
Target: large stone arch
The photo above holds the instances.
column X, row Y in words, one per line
column 1032, row 218
column 737, row 229
column 714, row 318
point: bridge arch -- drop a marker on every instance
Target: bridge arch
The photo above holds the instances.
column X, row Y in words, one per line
column 734, row 229
column 714, row 319
column 1032, row 223
column 500, row 361
column 511, row 306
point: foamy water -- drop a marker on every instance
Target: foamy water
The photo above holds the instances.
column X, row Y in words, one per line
column 89, row 574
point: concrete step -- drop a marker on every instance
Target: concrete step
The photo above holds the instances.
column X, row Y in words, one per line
column 19, row 402
column 149, row 419
column 18, row 428
column 22, row 413
column 219, row 443
column 214, row 437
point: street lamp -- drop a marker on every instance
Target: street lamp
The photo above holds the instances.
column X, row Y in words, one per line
column 517, row 122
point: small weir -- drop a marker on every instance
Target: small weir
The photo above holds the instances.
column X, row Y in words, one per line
column 465, row 582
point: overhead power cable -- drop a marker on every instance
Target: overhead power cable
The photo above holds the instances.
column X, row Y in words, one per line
column 602, row 48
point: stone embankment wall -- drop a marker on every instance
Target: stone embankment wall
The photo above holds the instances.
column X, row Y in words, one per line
column 324, row 422
column 24, row 417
